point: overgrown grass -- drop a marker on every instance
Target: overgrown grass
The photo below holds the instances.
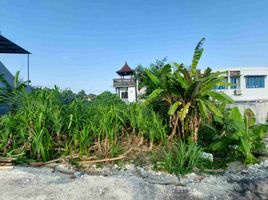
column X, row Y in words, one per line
column 180, row 158
column 43, row 126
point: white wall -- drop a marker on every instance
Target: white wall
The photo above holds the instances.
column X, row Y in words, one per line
column 131, row 93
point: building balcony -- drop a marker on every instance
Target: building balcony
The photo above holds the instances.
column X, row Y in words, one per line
column 124, row 82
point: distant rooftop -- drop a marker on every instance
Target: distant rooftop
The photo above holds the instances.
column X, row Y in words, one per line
column 125, row 70
column 6, row 46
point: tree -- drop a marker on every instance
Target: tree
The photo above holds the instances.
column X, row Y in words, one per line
column 106, row 98
column 188, row 93
column 81, row 94
column 142, row 76
column 67, row 96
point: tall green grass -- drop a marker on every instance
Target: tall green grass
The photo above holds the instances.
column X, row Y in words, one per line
column 43, row 125
column 180, row 158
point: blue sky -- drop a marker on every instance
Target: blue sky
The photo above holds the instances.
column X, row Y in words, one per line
column 80, row 44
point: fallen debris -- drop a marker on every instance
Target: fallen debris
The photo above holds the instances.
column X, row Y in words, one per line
column 102, row 160
column 6, row 163
column 106, row 159
column 6, row 167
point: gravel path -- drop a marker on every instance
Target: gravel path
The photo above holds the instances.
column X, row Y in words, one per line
column 40, row 183
column 23, row 183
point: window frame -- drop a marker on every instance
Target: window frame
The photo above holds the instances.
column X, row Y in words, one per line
column 124, row 95
column 237, row 85
column 257, row 83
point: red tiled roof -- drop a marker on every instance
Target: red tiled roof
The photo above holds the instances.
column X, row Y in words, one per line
column 125, row 70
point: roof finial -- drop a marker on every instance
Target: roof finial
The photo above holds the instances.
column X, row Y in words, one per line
column 126, row 62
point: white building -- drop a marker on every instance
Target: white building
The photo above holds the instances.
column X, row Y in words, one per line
column 251, row 84
column 250, row 89
column 126, row 85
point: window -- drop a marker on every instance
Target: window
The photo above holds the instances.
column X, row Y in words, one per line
column 255, row 81
column 222, row 87
column 124, row 95
column 235, row 80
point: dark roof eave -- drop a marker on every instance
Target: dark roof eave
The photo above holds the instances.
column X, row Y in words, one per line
column 15, row 52
column 9, row 47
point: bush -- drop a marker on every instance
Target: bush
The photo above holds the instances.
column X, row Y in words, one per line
column 235, row 137
column 181, row 158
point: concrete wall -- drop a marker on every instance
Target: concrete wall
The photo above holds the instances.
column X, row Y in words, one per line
column 260, row 108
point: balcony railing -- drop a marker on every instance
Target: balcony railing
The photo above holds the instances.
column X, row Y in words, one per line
column 120, row 82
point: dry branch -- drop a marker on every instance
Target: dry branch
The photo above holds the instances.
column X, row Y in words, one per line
column 6, row 167
column 107, row 159
column 5, row 159
column 103, row 160
column 6, row 164
column 40, row 164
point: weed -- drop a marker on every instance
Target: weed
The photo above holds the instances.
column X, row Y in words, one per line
column 181, row 158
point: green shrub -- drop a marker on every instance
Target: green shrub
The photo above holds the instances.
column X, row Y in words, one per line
column 236, row 137
column 181, row 158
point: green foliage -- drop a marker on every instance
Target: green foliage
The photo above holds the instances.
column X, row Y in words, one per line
column 115, row 150
column 9, row 93
column 146, row 123
column 142, row 76
column 81, row 94
column 181, row 158
column 188, row 94
column 67, row 96
column 48, row 123
column 43, row 125
column 107, row 98
column 235, row 136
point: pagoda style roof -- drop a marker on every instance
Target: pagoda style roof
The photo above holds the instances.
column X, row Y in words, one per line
column 125, row 71
column 6, row 46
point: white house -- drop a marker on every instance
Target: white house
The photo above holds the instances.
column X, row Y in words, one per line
column 126, row 85
column 250, row 89
column 251, row 84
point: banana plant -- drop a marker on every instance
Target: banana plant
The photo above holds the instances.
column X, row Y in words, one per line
column 243, row 134
column 189, row 94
